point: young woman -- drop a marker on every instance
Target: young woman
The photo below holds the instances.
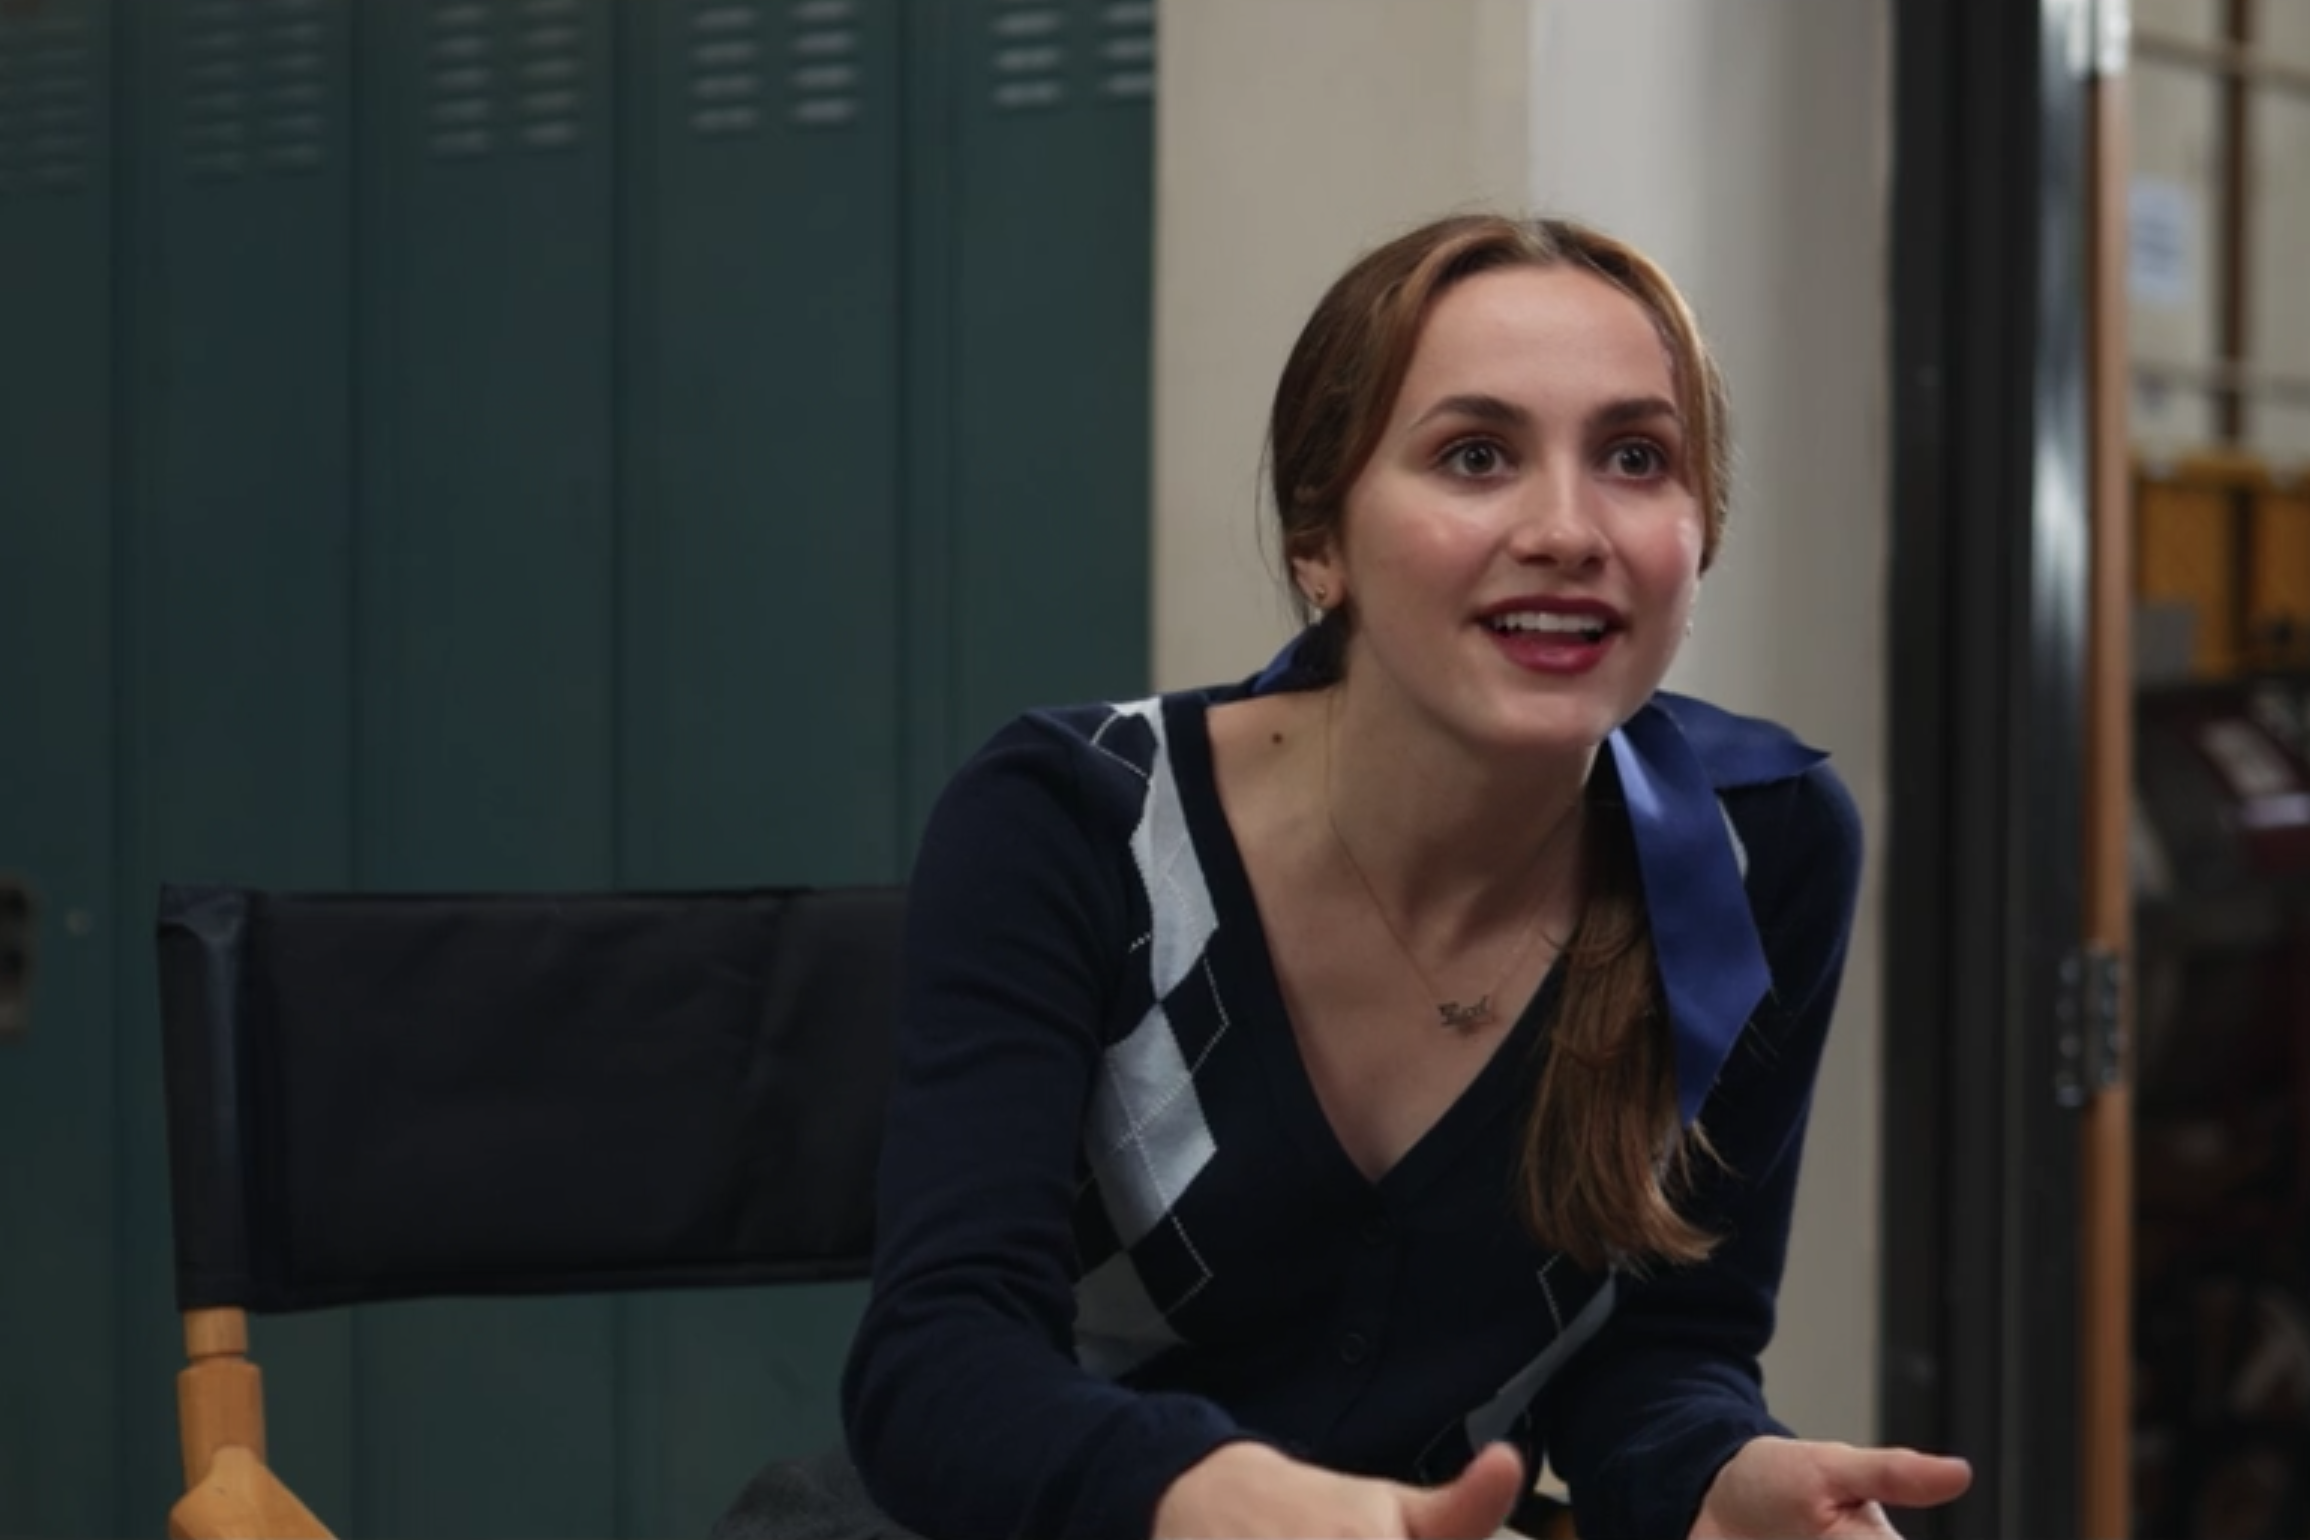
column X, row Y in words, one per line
column 1321, row 1097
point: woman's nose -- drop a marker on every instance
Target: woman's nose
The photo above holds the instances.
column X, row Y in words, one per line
column 1556, row 525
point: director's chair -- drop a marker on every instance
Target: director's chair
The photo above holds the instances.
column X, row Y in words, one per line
column 393, row 1097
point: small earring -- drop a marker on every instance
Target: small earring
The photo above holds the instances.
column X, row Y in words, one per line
column 1688, row 625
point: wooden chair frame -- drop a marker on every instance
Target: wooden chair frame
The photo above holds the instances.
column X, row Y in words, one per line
column 230, row 1492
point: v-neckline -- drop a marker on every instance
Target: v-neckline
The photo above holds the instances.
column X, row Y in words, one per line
column 1497, row 1088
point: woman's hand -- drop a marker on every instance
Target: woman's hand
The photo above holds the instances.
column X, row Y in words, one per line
column 1794, row 1489
column 1249, row 1491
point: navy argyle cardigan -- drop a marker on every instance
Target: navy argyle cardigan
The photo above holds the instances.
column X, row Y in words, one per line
column 1116, row 1230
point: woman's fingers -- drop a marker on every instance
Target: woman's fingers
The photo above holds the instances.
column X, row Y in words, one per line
column 1899, row 1478
column 1474, row 1505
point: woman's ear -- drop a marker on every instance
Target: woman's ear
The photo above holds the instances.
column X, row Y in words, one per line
column 1320, row 580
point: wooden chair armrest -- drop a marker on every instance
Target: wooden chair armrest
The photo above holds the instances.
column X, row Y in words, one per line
column 241, row 1499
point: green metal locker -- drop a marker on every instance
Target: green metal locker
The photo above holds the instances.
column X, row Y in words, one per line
column 1031, row 229
column 235, row 754
column 58, row 1217
column 515, row 443
column 1051, row 247
column 487, row 637
column 762, row 705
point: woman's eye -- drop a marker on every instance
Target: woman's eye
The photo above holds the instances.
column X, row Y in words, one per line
column 1474, row 458
column 1638, row 459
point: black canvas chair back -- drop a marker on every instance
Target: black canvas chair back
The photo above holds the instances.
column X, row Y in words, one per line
column 375, row 1098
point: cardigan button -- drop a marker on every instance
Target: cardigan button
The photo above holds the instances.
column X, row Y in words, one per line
column 1353, row 1347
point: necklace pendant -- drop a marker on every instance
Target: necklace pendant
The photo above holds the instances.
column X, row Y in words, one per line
column 1465, row 1018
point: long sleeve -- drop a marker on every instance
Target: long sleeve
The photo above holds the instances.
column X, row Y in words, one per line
column 964, row 1406
column 1672, row 1387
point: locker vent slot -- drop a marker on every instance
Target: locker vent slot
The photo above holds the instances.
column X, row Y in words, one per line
column 822, row 49
column 1127, row 50
column 461, row 78
column 504, row 74
column 217, row 81
column 47, row 107
column 292, row 63
column 548, row 73
column 726, row 65
column 1030, row 56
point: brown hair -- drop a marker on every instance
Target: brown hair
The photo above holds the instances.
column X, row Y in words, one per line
column 1603, row 1163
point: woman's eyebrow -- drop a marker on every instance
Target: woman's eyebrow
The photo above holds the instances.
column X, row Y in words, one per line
column 1482, row 408
column 1634, row 409
column 1507, row 414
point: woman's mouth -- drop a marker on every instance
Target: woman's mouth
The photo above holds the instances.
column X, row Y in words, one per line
column 1554, row 641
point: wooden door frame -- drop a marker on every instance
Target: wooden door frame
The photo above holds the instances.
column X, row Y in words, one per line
column 2106, row 1196
column 1991, row 601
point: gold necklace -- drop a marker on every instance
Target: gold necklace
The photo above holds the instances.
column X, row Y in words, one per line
column 1452, row 1014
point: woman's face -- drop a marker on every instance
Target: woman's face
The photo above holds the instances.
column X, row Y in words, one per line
column 1523, row 547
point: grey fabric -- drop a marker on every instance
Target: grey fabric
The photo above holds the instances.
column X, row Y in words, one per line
column 818, row 1497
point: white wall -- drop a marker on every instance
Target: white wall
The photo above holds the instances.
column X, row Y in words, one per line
column 1746, row 146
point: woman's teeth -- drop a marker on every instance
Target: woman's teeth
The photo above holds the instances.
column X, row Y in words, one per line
column 1587, row 627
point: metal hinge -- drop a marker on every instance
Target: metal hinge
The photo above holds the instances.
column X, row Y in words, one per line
column 2088, row 1024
